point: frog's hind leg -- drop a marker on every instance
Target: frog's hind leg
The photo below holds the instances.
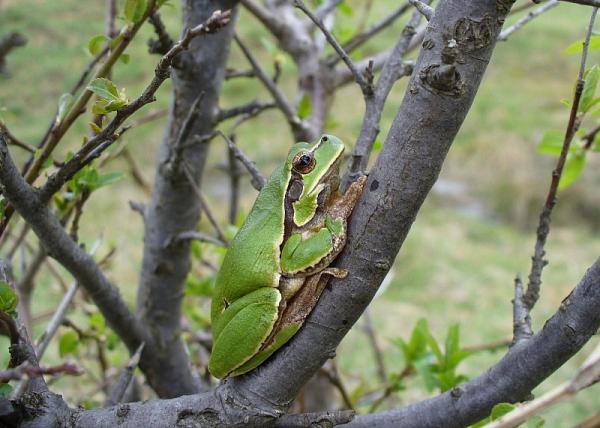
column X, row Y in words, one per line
column 242, row 329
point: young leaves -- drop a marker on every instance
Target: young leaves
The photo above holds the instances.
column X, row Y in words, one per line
column 437, row 368
column 134, row 10
column 96, row 44
column 68, row 343
column 110, row 98
column 8, row 299
column 588, row 96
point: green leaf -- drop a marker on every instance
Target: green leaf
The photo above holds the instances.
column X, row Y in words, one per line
column 377, row 145
column 589, row 89
column 108, row 179
column 304, row 107
column 97, row 322
column 5, row 389
column 65, row 102
column 8, row 299
column 104, row 88
column 573, row 168
column 345, row 9
column 200, row 286
column 134, row 10
column 551, row 143
column 68, row 343
column 48, row 162
column 125, row 58
column 500, row 410
column 3, row 205
column 577, row 46
column 94, row 127
column 96, row 43
column 424, row 369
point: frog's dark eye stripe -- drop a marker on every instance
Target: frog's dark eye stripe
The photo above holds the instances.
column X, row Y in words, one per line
column 304, row 162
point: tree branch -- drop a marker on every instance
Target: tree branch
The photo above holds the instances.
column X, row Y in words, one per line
column 505, row 34
column 513, row 378
column 297, row 125
column 537, row 261
column 61, row 247
column 363, row 83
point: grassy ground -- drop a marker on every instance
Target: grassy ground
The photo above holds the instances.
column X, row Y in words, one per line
column 454, row 266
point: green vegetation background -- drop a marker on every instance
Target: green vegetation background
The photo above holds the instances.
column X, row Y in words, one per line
column 472, row 235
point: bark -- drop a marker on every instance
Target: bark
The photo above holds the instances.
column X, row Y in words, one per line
column 174, row 207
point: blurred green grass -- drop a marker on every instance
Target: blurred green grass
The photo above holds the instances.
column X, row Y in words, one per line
column 454, row 266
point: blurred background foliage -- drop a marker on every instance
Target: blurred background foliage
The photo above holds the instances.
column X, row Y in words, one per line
column 474, row 233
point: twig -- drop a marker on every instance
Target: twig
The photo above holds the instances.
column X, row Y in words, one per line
column 258, row 180
column 377, row 353
column 538, row 262
column 588, row 374
column 590, row 137
column 193, row 235
column 334, row 378
column 365, row 85
column 164, row 42
column 176, row 149
column 393, row 68
column 56, row 320
column 118, row 391
column 15, row 141
column 491, row 346
column 364, row 36
column 8, row 43
column 231, row 73
column 278, row 96
column 205, row 207
column 326, row 7
column 136, row 172
column 235, row 174
column 253, row 107
column 27, row 371
column 424, row 9
column 104, row 139
column 594, row 3
column 521, row 320
column 526, row 19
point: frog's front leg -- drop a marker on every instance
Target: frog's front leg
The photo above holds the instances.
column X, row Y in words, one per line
column 242, row 328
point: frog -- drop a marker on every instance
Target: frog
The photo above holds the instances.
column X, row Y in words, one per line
column 279, row 262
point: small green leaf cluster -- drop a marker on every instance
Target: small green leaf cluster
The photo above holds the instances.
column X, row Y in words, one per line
column 109, row 97
column 71, row 341
column 435, row 366
column 89, row 179
column 502, row 409
column 553, row 140
column 8, row 299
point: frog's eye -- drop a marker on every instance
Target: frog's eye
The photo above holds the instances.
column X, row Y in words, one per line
column 304, row 162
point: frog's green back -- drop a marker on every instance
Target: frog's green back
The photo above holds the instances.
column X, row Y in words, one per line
column 252, row 260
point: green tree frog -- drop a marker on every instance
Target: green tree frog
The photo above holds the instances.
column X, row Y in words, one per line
column 278, row 263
